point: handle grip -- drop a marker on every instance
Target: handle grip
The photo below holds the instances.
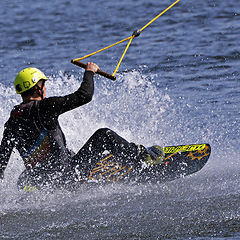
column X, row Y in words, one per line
column 104, row 74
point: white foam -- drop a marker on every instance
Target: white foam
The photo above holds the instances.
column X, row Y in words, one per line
column 133, row 106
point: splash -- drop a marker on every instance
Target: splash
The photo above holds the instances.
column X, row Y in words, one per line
column 138, row 108
column 133, row 106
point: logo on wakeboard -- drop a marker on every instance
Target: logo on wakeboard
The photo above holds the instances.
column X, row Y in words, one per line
column 184, row 148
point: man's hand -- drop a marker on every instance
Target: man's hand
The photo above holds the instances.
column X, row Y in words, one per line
column 92, row 67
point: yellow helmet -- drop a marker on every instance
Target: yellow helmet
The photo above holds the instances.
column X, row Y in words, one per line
column 28, row 78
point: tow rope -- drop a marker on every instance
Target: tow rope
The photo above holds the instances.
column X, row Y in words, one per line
column 135, row 34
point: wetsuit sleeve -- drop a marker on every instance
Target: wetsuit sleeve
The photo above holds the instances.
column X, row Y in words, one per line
column 6, row 149
column 54, row 106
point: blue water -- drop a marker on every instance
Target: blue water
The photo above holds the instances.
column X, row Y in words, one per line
column 179, row 83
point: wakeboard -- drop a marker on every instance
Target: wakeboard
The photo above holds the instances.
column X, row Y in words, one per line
column 178, row 161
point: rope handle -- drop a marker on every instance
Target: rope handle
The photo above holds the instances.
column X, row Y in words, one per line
column 135, row 34
column 104, row 74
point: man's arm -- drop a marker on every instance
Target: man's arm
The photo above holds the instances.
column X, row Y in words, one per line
column 6, row 149
column 54, row 106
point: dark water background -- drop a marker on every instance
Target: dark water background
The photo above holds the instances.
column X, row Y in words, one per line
column 179, row 83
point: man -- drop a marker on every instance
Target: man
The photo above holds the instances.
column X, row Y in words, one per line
column 33, row 129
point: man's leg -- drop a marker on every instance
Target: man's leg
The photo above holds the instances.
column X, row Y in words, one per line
column 104, row 140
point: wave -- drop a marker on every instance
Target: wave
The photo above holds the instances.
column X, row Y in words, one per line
column 138, row 108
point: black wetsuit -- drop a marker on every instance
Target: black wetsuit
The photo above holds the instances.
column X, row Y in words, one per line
column 33, row 129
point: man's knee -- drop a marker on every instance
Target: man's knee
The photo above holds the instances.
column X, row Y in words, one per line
column 103, row 131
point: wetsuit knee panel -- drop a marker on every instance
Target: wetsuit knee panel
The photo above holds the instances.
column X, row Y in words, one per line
column 102, row 131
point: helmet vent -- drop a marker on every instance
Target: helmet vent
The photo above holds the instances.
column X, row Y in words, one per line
column 18, row 88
